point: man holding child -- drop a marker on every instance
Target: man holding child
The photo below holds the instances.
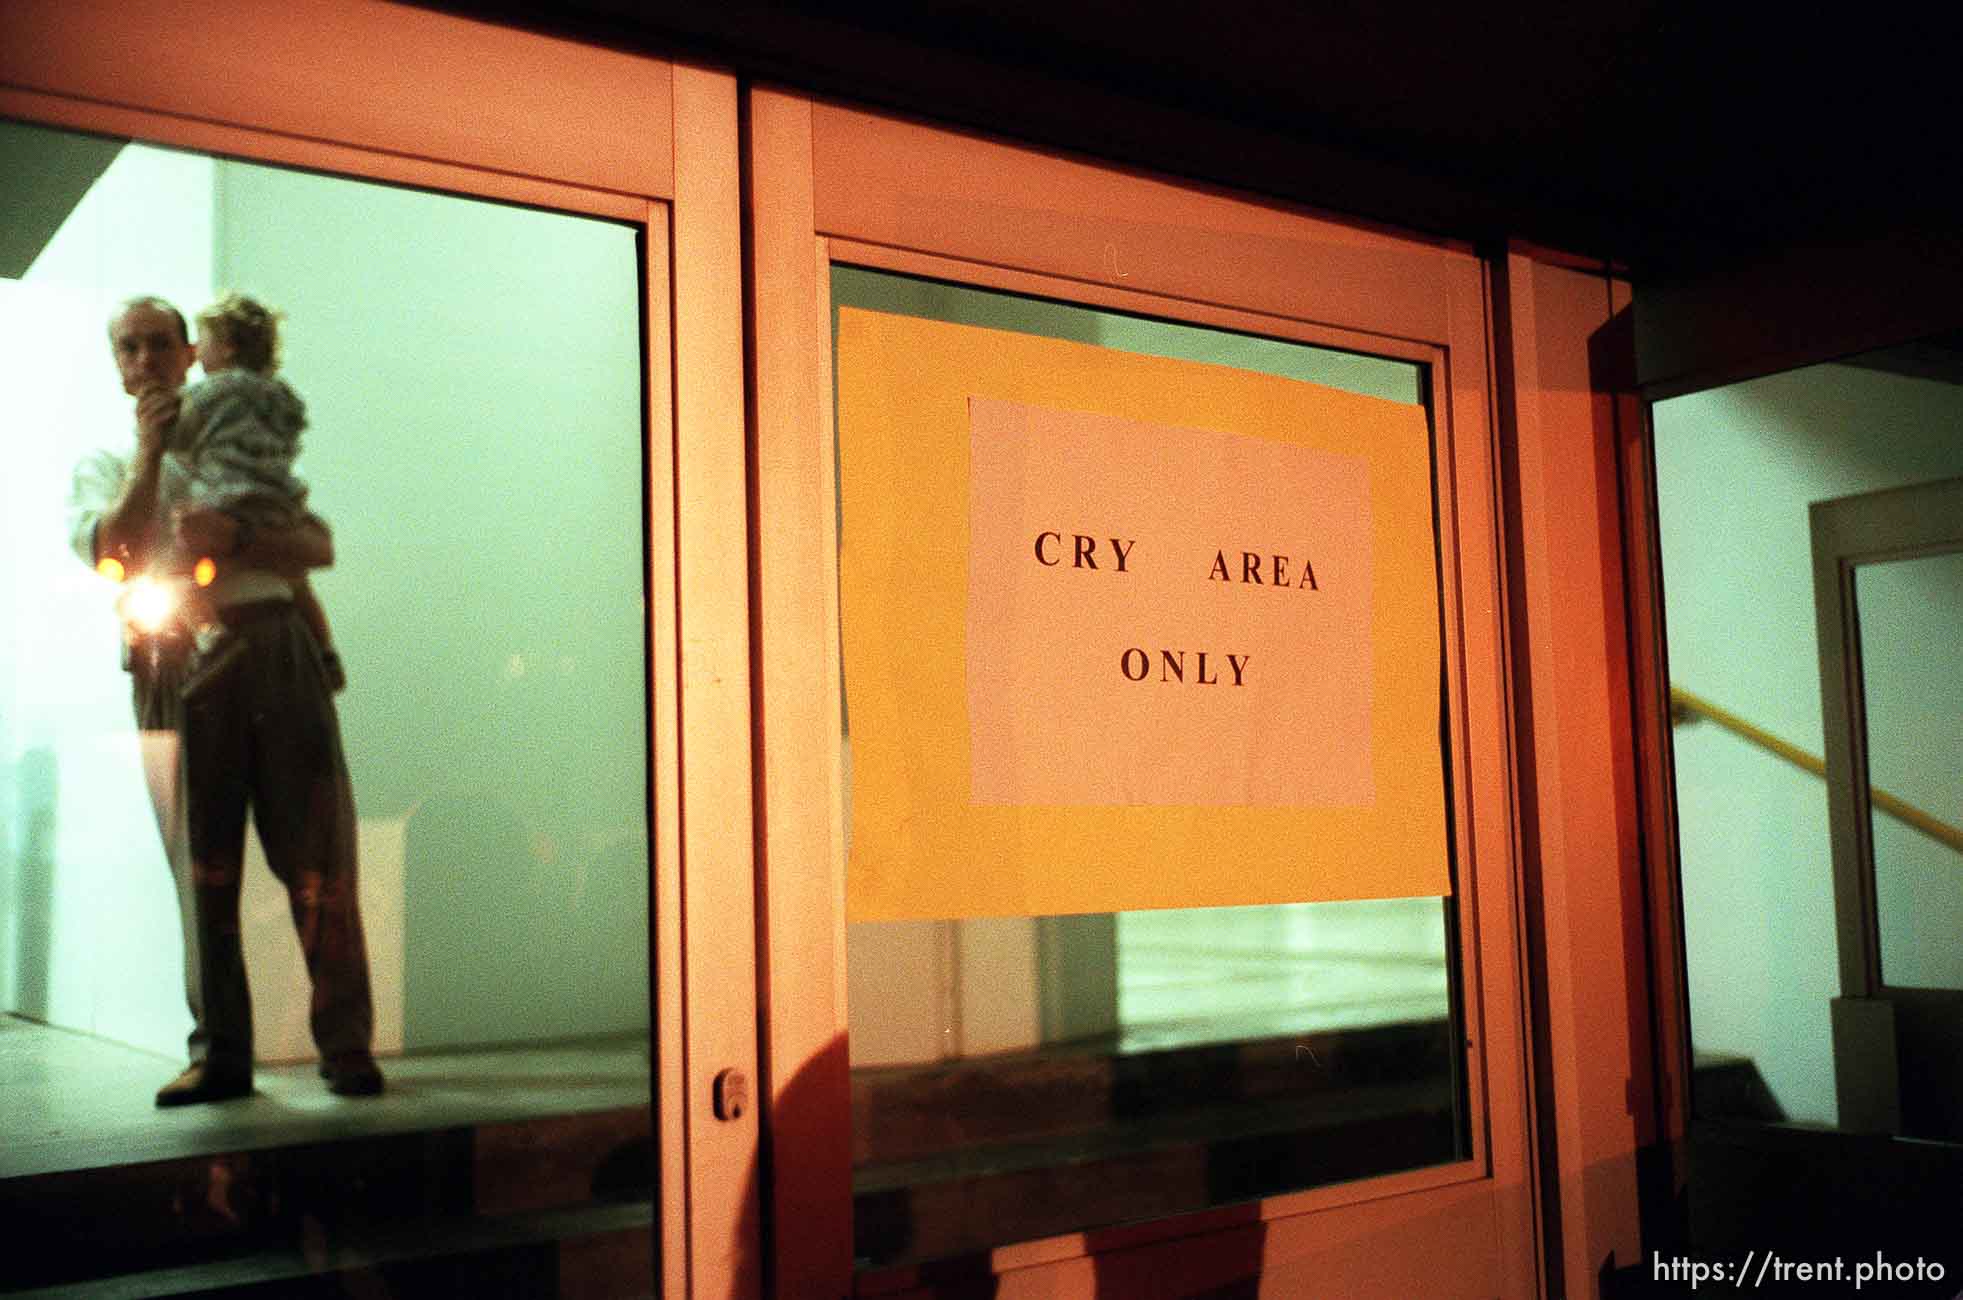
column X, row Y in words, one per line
column 258, row 730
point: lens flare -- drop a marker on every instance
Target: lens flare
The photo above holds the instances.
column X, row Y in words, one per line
column 148, row 604
column 110, row 567
column 204, row 572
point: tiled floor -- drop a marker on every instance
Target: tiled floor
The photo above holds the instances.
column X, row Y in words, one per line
column 71, row 1101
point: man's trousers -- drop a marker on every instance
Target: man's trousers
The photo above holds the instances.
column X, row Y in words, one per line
column 261, row 733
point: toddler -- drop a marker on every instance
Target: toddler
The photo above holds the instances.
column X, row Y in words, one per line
column 238, row 432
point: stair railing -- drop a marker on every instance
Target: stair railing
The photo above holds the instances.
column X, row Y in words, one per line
column 1686, row 707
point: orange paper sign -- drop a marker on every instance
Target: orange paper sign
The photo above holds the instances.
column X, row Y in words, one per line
column 1122, row 631
column 1197, row 601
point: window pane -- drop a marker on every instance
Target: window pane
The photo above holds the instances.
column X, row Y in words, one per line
column 471, row 380
column 1016, row 1076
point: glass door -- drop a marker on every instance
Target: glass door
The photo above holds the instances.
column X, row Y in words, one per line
column 1135, row 856
column 518, row 345
column 1056, row 1053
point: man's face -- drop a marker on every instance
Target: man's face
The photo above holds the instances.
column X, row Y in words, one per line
column 150, row 351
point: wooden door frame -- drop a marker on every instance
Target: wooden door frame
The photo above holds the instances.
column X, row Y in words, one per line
column 1610, row 1124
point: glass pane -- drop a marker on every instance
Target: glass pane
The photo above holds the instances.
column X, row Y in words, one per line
column 1911, row 615
column 1020, row 1076
column 1228, row 973
column 1736, row 470
column 470, row 375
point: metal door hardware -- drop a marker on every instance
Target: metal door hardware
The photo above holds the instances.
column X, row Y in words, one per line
column 732, row 1094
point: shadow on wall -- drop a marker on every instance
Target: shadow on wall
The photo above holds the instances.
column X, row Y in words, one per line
column 30, row 912
column 582, row 908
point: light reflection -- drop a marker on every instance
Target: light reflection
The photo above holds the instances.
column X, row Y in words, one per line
column 147, row 603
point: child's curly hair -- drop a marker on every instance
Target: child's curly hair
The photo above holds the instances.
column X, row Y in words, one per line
column 251, row 327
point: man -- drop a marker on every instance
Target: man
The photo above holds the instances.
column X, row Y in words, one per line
column 260, row 732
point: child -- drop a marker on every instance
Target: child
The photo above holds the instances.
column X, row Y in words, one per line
column 238, row 430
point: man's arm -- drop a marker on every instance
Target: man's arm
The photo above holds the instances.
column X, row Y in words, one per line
column 308, row 544
column 97, row 481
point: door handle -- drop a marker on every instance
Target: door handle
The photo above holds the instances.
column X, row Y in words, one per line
column 731, row 1094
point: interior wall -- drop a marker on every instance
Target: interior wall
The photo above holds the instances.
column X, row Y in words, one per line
column 1736, row 469
column 472, row 373
column 88, row 930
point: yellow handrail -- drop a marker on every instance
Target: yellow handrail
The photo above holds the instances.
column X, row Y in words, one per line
column 1684, row 705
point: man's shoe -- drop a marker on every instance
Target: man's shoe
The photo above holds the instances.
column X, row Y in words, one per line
column 352, row 1076
column 205, row 1082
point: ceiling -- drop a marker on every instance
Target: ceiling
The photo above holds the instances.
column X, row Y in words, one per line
column 1663, row 135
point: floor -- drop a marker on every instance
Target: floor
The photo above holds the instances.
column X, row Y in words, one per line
column 74, row 1101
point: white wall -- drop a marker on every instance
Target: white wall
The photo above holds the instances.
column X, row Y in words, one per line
column 89, row 938
column 1736, row 469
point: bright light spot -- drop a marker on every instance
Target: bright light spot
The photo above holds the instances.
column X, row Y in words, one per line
column 110, row 567
column 204, row 571
column 148, row 603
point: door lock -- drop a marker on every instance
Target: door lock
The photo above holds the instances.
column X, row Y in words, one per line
column 732, row 1094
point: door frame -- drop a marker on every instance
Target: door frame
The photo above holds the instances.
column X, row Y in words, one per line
column 409, row 97
column 1876, row 1024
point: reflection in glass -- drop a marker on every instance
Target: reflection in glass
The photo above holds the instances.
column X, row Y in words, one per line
column 1018, row 1077
column 1268, row 972
column 1736, row 471
column 1911, row 620
column 472, row 375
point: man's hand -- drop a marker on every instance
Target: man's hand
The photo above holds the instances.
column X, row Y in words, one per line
column 156, row 414
column 122, row 530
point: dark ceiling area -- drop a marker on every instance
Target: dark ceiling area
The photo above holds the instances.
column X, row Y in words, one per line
column 1663, row 136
